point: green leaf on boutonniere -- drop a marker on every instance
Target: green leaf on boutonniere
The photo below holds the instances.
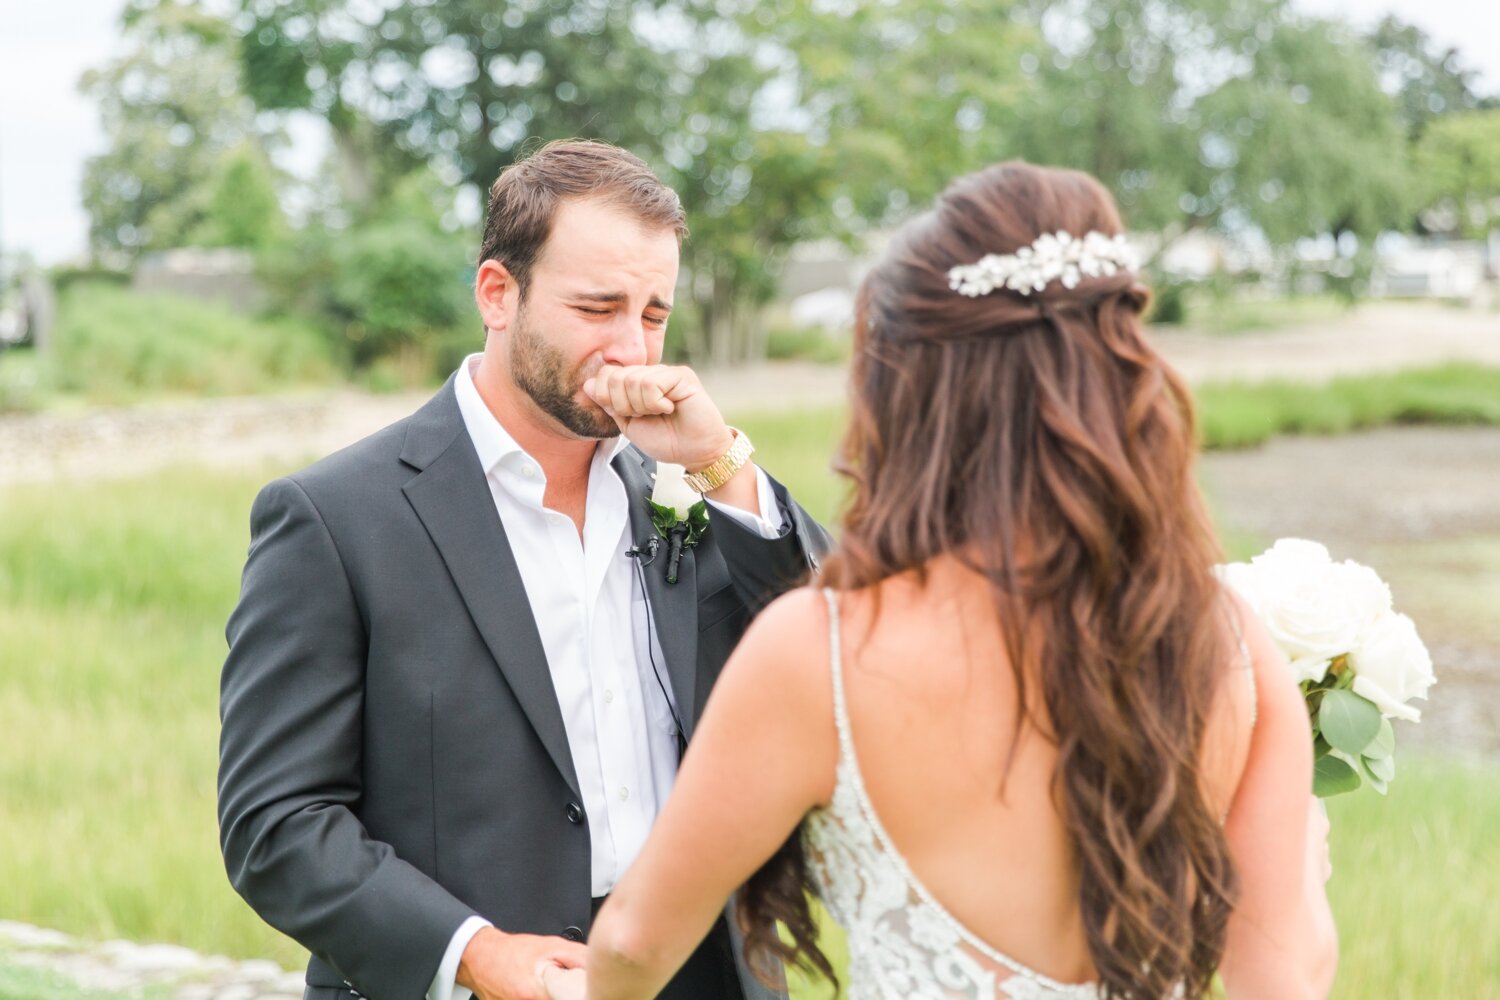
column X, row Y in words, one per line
column 680, row 532
column 665, row 519
column 1348, row 722
column 697, row 521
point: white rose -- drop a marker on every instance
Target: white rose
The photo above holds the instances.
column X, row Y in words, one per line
column 1314, row 608
column 672, row 490
column 1243, row 580
column 1392, row 666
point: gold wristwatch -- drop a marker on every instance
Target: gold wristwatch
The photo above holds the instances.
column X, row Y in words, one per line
column 711, row 478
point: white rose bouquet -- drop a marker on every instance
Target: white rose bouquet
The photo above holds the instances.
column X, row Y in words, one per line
column 1359, row 663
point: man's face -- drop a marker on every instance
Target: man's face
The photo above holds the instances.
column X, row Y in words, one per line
column 600, row 293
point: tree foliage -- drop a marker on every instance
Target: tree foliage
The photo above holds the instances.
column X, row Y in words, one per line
column 778, row 122
column 1429, row 80
column 1458, row 160
column 186, row 160
column 1238, row 115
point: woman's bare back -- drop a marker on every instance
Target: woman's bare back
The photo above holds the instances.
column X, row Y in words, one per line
column 932, row 708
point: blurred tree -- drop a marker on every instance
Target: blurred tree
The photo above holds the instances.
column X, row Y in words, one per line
column 1236, row 115
column 822, row 121
column 325, row 57
column 186, row 158
column 734, row 102
column 1303, row 141
column 1427, row 79
column 392, row 284
column 1458, row 160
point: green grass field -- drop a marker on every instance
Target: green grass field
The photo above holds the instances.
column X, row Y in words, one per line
column 1238, row 415
column 113, row 597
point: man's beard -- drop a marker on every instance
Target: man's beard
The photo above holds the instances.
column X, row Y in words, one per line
column 541, row 371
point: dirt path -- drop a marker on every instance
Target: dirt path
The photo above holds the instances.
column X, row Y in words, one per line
column 1372, row 338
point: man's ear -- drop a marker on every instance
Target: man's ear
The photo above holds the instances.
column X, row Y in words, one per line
column 496, row 295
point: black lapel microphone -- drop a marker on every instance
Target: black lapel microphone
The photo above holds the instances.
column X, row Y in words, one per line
column 644, row 554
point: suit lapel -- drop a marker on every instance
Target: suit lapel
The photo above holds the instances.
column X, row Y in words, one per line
column 452, row 499
column 674, row 606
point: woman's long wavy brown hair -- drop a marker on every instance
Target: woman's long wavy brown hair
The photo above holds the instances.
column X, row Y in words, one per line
column 1043, row 441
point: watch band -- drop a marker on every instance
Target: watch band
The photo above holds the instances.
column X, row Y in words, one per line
column 717, row 474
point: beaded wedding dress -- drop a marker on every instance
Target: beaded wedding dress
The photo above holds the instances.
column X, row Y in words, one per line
column 903, row 943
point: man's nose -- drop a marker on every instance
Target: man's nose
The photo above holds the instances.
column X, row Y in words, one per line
column 627, row 344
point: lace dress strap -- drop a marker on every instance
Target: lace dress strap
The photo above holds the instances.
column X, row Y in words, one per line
column 836, row 668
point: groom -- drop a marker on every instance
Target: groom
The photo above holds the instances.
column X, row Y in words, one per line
column 458, row 678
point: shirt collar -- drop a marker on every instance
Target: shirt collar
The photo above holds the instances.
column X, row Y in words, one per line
column 492, row 441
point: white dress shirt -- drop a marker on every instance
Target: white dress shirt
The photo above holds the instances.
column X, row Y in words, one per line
column 586, row 599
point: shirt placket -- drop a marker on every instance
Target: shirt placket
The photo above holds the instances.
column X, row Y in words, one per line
column 618, row 714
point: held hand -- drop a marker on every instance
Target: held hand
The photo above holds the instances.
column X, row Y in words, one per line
column 664, row 411
column 1320, row 858
column 500, row 966
column 565, row 984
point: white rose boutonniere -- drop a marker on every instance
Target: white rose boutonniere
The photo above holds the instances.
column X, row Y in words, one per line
column 679, row 513
column 1358, row 662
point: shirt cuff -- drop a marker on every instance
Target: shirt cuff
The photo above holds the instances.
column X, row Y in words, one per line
column 767, row 524
column 443, row 986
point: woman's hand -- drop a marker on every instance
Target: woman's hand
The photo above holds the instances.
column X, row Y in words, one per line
column 563, row 984
column 1320, row 857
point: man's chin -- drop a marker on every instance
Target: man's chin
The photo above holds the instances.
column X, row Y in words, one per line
column 589, row 422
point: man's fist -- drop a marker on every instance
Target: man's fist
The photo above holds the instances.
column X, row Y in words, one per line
column 664, row 411
column 500, row 966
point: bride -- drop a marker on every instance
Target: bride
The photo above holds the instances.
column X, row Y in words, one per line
column 1023, row 745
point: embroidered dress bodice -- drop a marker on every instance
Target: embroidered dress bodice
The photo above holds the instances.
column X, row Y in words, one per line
column 903, row 943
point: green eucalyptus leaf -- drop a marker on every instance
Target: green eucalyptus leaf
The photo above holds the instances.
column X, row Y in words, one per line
column 1384, row 744
column 1348, row 722
column 1362, row 767
column 1383, row 768
column 1333, row 776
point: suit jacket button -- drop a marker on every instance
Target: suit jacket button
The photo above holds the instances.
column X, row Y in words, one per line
column 575, row 813
column 572, row 933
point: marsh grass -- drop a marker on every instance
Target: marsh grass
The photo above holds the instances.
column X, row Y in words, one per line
column 1240, row 414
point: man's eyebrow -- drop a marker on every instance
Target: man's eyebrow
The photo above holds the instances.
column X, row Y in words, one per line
column 615, row 298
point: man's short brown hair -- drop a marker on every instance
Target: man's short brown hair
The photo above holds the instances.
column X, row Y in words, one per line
column 524, row 198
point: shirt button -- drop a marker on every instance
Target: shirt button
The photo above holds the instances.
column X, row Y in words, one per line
column 609, row 696
column 624, row 793
column 556, row 519
column 529, row 471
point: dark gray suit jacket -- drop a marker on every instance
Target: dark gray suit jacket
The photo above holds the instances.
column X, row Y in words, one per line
column 392, row 757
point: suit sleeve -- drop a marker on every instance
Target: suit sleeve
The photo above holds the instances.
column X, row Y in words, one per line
column 291, row 708
column 763, row 568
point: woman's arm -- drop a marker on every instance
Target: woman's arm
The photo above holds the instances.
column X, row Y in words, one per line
column 1282, row 943
column 764, row 753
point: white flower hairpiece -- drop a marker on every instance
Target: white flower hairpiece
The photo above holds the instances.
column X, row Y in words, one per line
column 1053, row 256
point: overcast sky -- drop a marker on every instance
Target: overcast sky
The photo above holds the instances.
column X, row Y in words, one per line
column 47, row 128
